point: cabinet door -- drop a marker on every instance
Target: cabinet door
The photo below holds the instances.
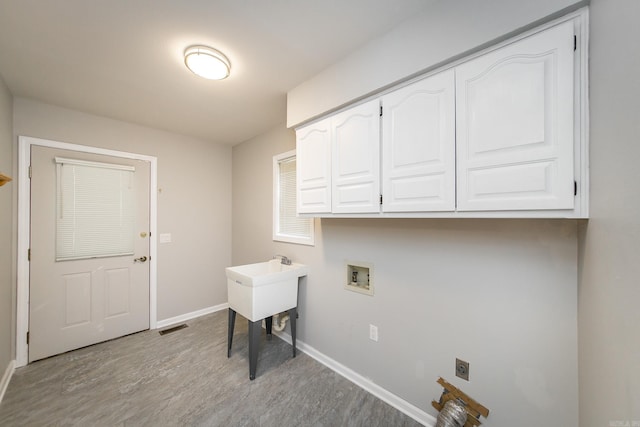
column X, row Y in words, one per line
column 418, row 146
column 514, row 113
column 356, row 159
column 313, row 170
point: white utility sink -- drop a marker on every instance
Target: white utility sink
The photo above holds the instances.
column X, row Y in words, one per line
column 260, row 290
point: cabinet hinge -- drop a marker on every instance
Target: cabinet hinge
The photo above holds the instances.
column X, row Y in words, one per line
column 27, row 337
column 29, row 254
column 381, row 199
column 575, row 188
column 575, row 42
column 381, row 111
column 29, row 171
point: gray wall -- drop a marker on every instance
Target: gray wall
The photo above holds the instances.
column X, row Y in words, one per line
column 609, row 291
column 194, row 203
column 6, row 227
column 498, row 293
column 443, row 31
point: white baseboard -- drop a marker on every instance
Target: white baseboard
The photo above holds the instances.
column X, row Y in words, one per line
column 8, row 373
column 188, row 316
column 400, row 404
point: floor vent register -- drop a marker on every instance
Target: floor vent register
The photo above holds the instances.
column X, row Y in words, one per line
column 173, row 329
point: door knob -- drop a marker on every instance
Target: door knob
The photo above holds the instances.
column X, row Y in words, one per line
column 141, row 259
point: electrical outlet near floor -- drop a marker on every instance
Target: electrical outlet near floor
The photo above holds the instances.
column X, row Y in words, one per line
column 373, row 333
column 462, row 369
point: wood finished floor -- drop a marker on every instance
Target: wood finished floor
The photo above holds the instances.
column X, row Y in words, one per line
column 185, row 379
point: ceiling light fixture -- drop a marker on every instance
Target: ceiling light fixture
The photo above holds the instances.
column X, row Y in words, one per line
column 207, row 62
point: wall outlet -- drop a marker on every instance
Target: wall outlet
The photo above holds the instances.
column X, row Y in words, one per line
column 462, row 369
column 373, row 333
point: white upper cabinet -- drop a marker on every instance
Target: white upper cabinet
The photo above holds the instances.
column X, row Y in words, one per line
column 313, row 160
column 356, row 159
column 418, row 146
column 501, row 134
column 515, row 125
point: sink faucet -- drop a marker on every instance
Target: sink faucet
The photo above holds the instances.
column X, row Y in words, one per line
column 285, row 260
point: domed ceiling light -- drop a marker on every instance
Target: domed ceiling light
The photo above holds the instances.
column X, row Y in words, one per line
column 207, row 62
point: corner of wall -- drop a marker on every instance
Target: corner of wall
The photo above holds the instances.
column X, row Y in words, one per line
column 7, row 234
column 6, row 378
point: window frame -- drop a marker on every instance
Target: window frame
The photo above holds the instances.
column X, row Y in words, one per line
column 279, row 236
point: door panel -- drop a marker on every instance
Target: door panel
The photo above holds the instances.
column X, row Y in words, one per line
column 356, row 159
column 418, row 146
column 313, row 160
column 77, row 298
column 79, row 302
column 117, row 298
column 515, row 125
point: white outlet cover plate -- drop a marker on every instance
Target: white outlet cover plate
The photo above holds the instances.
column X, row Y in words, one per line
column 373, row 333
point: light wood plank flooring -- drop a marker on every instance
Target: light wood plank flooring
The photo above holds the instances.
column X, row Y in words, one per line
column 185, row 379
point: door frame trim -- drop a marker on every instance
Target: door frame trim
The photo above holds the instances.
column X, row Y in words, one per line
column 24, row 234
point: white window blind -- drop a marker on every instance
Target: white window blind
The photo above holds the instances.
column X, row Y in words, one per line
column 287, row 225
column 95, row 209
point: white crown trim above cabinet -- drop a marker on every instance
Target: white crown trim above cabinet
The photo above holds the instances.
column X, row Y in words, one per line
column 500, row 134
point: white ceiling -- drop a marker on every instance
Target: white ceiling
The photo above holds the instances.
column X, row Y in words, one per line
column 123, row 58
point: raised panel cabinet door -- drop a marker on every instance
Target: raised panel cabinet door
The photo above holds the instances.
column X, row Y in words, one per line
column 515, row 127
column 313, row 163
column 418, row 146
column 356, row 159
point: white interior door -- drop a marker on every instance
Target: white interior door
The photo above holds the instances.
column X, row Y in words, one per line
column 89, row 268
